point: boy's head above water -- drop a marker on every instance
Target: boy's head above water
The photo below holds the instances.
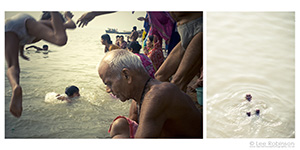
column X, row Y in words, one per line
column 45, row 47
column 72, row 91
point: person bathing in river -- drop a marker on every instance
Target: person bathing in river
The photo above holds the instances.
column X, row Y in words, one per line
column 71, row 92
column 122, row 42
column 134, row 34
column 105, row 40
column 23, row 29
column 45, row 47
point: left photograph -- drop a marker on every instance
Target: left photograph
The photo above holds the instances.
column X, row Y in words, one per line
column 103, row 74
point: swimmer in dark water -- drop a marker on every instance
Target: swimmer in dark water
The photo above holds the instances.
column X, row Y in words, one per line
column 71, row 91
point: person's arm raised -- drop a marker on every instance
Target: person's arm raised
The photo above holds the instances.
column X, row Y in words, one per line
column 33, row 46
column 89, row 16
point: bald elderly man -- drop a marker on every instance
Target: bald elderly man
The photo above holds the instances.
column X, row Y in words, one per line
column 163, row 110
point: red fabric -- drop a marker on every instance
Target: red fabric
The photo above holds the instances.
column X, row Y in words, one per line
column 132, row 126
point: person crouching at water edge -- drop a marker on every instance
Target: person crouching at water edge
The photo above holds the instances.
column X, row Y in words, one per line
column 71, row 92
column 163, row 110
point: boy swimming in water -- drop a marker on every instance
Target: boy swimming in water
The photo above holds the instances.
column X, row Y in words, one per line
column 45, row 47
column 71, row 92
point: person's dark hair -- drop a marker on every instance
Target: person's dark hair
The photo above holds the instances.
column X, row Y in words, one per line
column 45, row 46
column 71, row 90
column 121, row 36
column 117, row 36
column 134, row 27
column 135, row 46
column 107, row 38
column 47, row 15
column 151, row 37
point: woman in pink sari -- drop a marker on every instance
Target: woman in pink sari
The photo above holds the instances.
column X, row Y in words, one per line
column 154, row 51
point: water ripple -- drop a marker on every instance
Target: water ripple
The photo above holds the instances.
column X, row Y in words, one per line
column 226, row 112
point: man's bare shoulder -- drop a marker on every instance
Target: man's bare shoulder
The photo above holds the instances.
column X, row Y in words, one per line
column 163, row 88
column 157, row 99
column 162, row 93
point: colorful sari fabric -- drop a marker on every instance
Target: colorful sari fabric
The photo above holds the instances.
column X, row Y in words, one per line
column 147, row 63
column 146, row 24
column 156, row 55
column 162, row 25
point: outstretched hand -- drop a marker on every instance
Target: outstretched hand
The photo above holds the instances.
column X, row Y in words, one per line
column 85, row 19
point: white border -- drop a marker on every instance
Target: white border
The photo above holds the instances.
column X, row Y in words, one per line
column 199, row 5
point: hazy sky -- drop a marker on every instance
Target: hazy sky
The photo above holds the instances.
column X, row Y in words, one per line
column 123, row 20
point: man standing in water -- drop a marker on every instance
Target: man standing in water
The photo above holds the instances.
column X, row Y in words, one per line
column 134, row 34
column 163, row 109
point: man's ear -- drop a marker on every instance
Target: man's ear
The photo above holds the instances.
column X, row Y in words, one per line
column 127, row 75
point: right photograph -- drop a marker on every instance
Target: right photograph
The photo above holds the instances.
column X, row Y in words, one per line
column 250, row 74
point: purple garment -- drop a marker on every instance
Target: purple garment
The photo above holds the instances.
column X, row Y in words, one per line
column 162, row 25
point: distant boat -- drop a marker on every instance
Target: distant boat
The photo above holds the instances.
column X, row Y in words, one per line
column 124, row 32
column 110, row 30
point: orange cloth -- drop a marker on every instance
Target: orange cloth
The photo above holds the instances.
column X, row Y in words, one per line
column 112, row 47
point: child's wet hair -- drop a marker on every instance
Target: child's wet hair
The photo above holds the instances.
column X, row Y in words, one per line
column 45, row 46
column 71, row 90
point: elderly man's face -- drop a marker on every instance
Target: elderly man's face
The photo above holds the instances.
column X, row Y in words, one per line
column 114, row 84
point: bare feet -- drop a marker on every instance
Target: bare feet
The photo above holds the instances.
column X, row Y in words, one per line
column 16, row 102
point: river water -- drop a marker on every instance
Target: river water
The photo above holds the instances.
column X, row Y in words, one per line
column 88, row 116
column 250, row 53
